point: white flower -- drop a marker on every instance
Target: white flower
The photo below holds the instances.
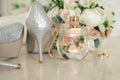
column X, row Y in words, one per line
column 100, row 11
column 67, row 40
column 77, row 11
column 64, row 14
column 76, row 50
column 73, row 49
column 102, row 28
column 74, row 12
column 91, row 17
column 85, row 3
column 53, row 12
column 68, row 3
column 81, row 47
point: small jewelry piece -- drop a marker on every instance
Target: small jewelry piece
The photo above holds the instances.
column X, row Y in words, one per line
column 103, row 55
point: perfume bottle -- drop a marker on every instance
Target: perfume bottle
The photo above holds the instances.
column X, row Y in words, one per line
column 73, row 40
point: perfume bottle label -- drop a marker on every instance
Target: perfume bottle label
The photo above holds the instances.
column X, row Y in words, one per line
column 73, row 31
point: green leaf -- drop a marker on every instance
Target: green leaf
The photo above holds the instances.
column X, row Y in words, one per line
column 106, row 23
column 92, row 5
column 102, row 7
column 77, row 44
column 97, row 28
column 97, row 5
column 54, row 44
column 113, row 13
column 97, row 43
column 81, row 23
column 65, row 56
column 111, row 27
column 80, row 39
column 80, row 7
column 33, row 1
column 59, row 3
column 47, row 8
column 57, row 19
column 54, row 1
column 51, row 7
column 65, row 48
column 18, row 5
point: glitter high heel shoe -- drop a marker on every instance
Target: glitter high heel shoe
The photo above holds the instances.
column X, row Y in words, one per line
column 11, row 38
column 39, row 28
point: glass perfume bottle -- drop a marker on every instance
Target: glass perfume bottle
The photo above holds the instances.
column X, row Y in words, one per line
column 73, row 40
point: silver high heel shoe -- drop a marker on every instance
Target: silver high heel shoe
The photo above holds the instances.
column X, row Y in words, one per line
column 39, row 27
column 11, row 38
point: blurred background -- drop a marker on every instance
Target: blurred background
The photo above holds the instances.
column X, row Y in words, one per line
column 12, row 7
column 16, row 7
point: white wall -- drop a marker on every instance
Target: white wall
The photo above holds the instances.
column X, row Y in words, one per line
column 6, row 5
column 0, row 7
column 115, row 4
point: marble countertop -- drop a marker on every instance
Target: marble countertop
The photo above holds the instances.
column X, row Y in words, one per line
column 90, row 68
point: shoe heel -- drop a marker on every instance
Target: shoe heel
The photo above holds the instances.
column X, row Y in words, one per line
column 31, row 42
column 38, row 23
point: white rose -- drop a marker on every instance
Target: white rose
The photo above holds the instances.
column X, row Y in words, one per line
column 85, row 3
column 102, row 28
column 91, row 17
column 100, row 11
column 73, row 49
column 68, row 3
column 74, row 12
column 64, row 14
column 77, row 11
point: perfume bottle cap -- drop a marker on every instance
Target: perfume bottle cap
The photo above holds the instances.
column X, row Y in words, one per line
column 74, row 21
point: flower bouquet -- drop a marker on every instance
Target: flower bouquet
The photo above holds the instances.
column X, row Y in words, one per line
column 95, row 15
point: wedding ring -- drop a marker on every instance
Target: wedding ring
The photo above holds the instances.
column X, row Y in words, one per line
column 103, row 55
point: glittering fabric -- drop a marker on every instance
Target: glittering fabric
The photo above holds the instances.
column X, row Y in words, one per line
column 38, row 23
column 11, row 32
column 37, row 18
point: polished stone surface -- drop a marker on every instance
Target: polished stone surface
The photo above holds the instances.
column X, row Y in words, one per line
column 91, row 68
